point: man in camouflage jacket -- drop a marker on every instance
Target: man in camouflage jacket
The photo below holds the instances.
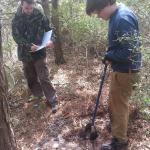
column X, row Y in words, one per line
column 28, row 28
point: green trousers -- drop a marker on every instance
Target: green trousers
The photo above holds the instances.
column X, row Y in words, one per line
column 122, row 85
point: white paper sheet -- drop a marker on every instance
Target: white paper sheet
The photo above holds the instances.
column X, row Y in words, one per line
column 46, row 38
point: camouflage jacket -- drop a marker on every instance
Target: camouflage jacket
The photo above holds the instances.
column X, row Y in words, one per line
column 27, row 30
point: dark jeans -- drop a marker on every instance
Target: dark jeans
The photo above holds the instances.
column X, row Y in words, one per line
column 37, row 75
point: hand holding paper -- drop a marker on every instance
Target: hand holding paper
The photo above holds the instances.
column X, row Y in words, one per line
column 50, row 45
column 34, row 47
column 46, row 42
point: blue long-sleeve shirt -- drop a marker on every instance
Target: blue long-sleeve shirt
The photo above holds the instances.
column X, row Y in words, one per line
column 124, row 43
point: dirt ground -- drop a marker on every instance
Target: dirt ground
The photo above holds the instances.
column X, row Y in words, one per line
column 76, row 82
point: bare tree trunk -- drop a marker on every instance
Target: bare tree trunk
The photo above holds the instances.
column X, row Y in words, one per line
column 1, row 55
column 45, row 5
column 7, row 141
column 59, row 58
column 58, row 47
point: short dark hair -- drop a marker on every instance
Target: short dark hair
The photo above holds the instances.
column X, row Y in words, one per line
column 97, row 5
column 27, row 1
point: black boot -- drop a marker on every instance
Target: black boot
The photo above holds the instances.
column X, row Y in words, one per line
column 53, row 104
column 115, row 145
column 54, row 108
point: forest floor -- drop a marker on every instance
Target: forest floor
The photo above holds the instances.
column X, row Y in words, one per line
column 76, row 83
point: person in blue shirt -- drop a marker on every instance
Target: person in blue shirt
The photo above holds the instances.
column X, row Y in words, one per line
column 124, row 56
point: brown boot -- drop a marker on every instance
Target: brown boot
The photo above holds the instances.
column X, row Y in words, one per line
column 115, row 145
